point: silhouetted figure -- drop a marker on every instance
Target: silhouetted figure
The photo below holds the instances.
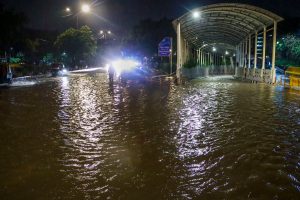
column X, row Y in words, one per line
column 111, row 73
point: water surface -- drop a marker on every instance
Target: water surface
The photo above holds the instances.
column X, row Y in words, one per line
column 80, row 137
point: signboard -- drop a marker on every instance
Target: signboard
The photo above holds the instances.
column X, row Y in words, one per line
column 165, row 47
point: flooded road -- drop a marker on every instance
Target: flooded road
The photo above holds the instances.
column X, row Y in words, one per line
column 80, row 137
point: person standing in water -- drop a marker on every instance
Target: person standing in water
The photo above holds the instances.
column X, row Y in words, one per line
column 111, row 73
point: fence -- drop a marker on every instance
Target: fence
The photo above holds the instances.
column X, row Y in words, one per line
column 207, row 71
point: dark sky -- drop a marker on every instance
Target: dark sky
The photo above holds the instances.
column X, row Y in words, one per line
column 119, row 14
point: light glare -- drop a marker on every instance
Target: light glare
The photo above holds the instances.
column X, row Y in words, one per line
column 196, row 14
column 124, row 65
column 85, row 8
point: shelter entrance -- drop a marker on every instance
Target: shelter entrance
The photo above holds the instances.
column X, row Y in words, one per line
column 240, row 36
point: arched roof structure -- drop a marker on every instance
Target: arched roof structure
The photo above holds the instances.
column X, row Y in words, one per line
column 225, row 24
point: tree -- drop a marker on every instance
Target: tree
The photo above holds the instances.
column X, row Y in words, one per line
column 289, row 49
column 77, row 44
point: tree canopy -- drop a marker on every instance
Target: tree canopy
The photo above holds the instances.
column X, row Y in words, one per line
column 289, row 49
column 77, row 44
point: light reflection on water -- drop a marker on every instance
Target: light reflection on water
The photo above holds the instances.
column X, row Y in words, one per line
column 80, row 137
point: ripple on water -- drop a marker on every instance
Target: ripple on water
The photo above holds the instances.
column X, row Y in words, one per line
column 209, row 139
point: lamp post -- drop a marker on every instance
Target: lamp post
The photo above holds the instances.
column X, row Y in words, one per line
column 85, row 8
column 104, row 33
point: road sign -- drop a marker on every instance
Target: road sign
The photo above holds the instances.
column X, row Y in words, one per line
column 165, row 47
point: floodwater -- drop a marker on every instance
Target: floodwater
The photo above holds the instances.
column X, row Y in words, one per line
column 80, row 137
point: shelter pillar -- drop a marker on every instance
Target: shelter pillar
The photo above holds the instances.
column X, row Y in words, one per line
column 200, row 58
column 274, row 52
column 236, row 61
column 264, row 50
column 249, row 52
column 246, row 53
column 255, row 50
column 242, row 54
column 179, row 51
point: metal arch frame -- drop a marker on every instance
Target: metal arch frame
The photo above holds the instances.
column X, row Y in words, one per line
column 249, row 25
column 220, row 29
column 247, row 28
column 224, row 45
column 236, row 13
column 247, row 18
column 226, row 26
column 244, row 7
column 218, row 34
column 233, row 15
column 218, row 39
column 225, row 23
column 221, row 39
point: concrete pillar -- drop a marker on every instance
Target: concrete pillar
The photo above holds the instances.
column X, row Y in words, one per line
column 236, row 60
column 237, row 55
column 208, row 59
column 264, row 52
column 215, row 59
column 264, row 48
column 255, row 50
column 200, row 58
column 203, row 58
column 243, row 54
column 185, row 50
column 179, row 51
column 246, row 53
column 249, row 53
column 274, row 52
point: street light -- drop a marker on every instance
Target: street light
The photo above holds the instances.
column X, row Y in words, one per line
column 196, row 14
column 85, row 8
column 214, row 49
column 104, row 33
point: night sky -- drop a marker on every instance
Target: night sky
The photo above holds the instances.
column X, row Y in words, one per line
column 119, row 14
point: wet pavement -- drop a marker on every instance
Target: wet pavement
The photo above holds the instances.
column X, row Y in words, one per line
column 79, row 137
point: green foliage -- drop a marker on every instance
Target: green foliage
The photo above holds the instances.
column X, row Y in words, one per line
column 288, row 48
column 78, row 44
column 17, row 59
column 191, row 63
column 48, row 58
column 286, row 62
